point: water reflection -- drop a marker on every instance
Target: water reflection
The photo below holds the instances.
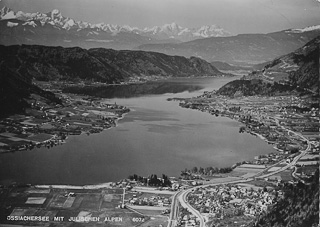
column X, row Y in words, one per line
column 157, row 136
column 134, row 90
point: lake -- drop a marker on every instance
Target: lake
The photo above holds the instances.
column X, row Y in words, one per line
column 156, row 137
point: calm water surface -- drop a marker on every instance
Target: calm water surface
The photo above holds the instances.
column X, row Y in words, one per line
column 157, row 136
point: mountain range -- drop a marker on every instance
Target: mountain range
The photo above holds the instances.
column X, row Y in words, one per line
column 174, row 31
column 210, row 43
column 241, row 49
column 54, row 29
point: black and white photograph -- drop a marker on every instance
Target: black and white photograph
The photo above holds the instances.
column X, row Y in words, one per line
column 159, row 113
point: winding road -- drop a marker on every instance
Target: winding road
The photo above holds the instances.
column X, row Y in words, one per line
column 181, row 196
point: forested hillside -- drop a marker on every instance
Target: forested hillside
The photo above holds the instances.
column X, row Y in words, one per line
column 102, row 65
column 15, row 91
column 298, row 208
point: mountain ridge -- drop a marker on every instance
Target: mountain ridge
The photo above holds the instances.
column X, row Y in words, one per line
column 53, row 29
column 170, row 32
column 296, row 72
column 242, row 49
column 99, row 64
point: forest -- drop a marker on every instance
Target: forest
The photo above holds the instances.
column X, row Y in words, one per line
column 298, row 208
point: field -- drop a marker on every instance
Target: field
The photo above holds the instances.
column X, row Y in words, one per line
column 27, row 205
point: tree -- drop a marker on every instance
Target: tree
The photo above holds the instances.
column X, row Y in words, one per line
column 195, row 169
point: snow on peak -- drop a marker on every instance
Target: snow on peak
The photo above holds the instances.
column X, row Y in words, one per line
column 171, row 30
column 128, row 28
column 7, row 13
column 5, row 10
column 171, row 27
column 69, row 23
column 55, row 11
column 153, row 30
column 55, row 14
column 185, row 34
column 307, row 29
column 30, row 23
column 211, row 31
column 10, row 24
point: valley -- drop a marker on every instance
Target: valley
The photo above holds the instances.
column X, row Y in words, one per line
column 113, row 115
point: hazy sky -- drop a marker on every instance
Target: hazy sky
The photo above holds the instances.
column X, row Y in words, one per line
column 236, row 16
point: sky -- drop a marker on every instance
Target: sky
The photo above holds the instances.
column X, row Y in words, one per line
column 235, row 16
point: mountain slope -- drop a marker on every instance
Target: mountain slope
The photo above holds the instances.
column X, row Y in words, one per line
column 298, row 208
column 299, row 68
column 294, row 72
column 103, row 65
column 240, row 49
column 15, row 91
column 307, row 75
column 255, row 87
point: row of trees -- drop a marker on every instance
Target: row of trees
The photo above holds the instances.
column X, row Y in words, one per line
column 152, row 180
column 208, row 171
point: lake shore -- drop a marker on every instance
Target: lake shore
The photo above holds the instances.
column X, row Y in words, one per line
column 155, row 132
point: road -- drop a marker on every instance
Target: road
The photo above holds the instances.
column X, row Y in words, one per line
column 174, row 210
column 294, row 161
column 181, row 196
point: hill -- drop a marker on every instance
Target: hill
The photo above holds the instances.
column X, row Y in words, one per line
column 100, row 65
column 255, row 87
column 16, row 91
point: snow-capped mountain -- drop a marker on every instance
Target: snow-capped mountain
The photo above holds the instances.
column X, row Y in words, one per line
column 167, row 31
column 7, row 13
column 55, row 29
column 175, row 31
column 56, row 19
column 211, row 31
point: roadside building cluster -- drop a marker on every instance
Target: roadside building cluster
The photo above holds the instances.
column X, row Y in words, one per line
column 154, row 200
column 186, row 218
column 224, row 201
